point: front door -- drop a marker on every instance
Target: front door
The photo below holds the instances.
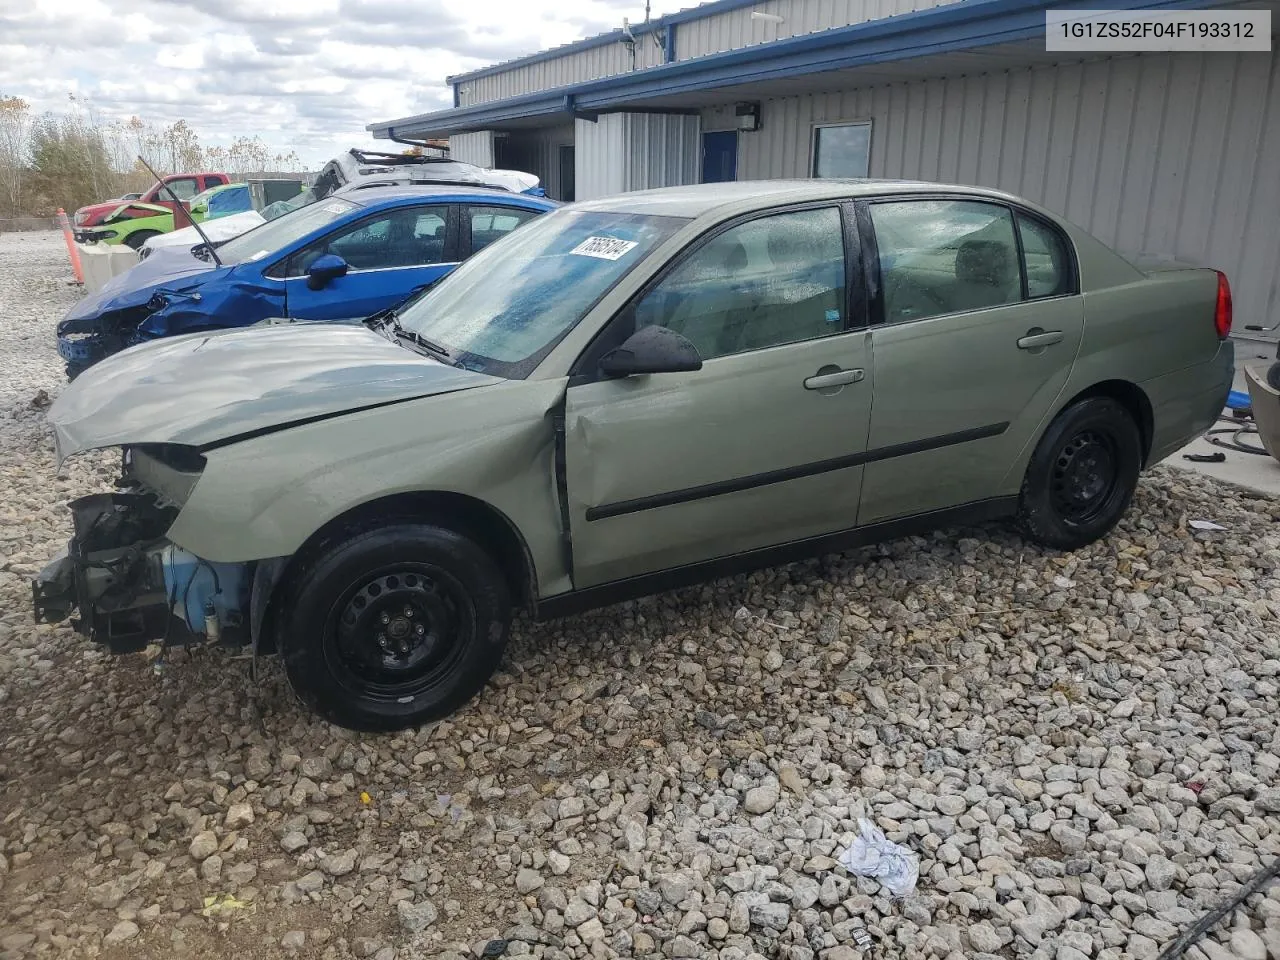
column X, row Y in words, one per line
column 763, row 445
column 720, row 156
column 973, row 348
column 388, row 255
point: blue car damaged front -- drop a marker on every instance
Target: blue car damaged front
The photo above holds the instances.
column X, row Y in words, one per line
column 379, row 245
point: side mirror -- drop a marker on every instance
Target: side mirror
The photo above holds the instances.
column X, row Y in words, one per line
column 326, row 268
column 651, row 349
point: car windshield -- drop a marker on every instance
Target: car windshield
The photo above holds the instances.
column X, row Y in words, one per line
column 510, row 303
column 271, row 236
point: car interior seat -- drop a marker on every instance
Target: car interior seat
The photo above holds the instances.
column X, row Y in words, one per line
column 986, row 275
column 803, row 301
column 708, row 310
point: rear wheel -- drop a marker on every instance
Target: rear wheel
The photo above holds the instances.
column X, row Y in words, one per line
column 1082, row 475
column 136, row 240
column 395, row 626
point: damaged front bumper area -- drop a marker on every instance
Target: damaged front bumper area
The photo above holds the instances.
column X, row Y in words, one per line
column 83, row 342
column 131, row 586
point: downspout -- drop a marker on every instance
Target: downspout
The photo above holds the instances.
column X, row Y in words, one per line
column 391, row 135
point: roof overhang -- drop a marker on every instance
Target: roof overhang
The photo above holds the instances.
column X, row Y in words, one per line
column 863, row 53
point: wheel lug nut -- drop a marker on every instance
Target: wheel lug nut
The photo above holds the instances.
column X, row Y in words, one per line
column 420, row 630
column 386, row 617
column 408, row 611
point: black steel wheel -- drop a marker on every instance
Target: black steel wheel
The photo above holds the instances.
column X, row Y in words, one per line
column 395, row 626
column 1082, row 475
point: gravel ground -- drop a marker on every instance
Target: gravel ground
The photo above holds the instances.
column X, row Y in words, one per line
column 1082, row 749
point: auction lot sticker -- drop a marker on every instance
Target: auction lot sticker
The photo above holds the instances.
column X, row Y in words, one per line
column 604, row 248
column 1134, row 31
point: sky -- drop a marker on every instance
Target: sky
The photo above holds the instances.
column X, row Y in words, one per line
column 304, row 75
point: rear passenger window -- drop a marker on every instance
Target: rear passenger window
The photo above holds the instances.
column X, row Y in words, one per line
column 491, row 223
column 770, row 281
column 1048, row 264
column 945, row 256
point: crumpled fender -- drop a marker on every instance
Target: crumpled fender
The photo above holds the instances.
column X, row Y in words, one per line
column 236, row 301
column 134, row 288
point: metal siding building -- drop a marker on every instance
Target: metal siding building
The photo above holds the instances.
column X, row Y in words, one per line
column 1171, row 156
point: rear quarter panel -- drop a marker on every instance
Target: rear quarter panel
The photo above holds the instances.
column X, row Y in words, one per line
column 1153, row 330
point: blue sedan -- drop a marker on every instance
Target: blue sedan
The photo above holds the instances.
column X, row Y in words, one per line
column 343, row 258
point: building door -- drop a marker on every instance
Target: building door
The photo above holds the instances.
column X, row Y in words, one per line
column 720, row 156
column 566, row 172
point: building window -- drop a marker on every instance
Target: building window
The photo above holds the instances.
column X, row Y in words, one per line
column 842, row 149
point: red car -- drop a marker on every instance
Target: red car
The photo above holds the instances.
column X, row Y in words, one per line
column 185, row 185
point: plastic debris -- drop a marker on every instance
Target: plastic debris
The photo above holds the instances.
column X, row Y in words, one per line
column 224, row 905
column 872, row 854
column 1205, row 525
column 365, row 798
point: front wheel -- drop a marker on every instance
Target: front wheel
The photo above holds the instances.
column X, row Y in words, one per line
column 395, row 626
column 1082, row 475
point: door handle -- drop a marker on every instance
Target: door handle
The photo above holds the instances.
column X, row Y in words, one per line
column 1037, row 338
column 839, row 378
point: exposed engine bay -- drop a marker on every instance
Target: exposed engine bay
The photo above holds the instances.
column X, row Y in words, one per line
column 129, row 584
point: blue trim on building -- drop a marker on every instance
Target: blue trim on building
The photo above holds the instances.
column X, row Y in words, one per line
column 669, row 44
column 964, row 25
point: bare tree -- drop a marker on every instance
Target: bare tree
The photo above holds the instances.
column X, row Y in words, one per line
column 15, row 127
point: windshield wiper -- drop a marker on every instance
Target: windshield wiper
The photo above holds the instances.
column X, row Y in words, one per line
column 436, row 350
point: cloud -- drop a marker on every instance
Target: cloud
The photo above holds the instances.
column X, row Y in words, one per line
column 304, row 75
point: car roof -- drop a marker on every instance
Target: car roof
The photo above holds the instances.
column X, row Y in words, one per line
column 368, row 196
column 746, row 195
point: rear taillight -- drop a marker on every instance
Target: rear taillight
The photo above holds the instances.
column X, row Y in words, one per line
column 1222, row 310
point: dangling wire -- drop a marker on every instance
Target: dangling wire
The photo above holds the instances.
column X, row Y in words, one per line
column 1215, row 916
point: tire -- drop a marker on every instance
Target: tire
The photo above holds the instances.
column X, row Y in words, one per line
column 394, row 626
column 136, row 240
column 1082, row 475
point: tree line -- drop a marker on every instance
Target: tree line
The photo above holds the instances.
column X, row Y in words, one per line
column 73, row 158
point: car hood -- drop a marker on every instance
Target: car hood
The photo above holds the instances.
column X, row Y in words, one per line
column 205, row 389
column 217, row 229
column 135, row 286
column 94, row 212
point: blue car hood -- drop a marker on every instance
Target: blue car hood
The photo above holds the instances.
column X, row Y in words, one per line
column 135, row 287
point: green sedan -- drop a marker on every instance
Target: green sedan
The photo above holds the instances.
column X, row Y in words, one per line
column 627, row 395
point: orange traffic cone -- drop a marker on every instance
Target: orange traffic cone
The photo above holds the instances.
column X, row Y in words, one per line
column 72, row 252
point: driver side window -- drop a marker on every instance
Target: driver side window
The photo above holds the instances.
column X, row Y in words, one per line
column 945, row 256
column 404, row 237
column 774, row 280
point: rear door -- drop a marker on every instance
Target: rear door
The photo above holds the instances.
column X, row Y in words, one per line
column 389, row 255
column 976, row 324
column 760, row 447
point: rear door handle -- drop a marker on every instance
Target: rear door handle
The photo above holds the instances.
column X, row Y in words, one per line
column 839, row 378
column 1037, row 338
